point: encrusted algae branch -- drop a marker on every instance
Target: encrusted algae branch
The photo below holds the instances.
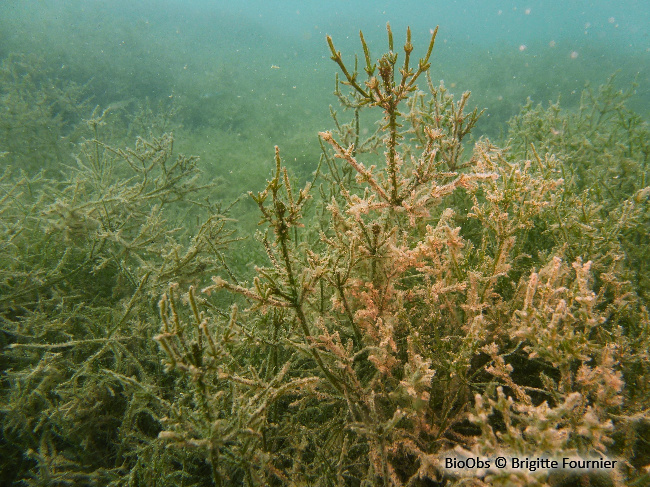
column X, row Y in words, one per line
column 407, row 185
column 387, row 94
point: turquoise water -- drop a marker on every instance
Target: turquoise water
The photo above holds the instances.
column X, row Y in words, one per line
column 181, row 44
column 259, row 73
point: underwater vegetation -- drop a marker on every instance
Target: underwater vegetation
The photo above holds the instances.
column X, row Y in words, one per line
column 423, row 294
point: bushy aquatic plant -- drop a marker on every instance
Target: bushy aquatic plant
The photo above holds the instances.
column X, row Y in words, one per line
column 605, row 155
column 82, row 257
column 376, row 342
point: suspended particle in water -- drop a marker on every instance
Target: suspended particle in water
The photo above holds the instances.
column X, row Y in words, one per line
column 522, row 47
column 574, row 55
column 551, row 44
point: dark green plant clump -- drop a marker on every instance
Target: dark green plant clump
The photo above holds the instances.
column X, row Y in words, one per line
column 422, row 296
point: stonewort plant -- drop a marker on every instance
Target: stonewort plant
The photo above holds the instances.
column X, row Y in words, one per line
column 605, row 154
column 82, row 259
column 442, row 298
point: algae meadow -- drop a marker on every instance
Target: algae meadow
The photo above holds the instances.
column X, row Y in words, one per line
column 285, row 245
